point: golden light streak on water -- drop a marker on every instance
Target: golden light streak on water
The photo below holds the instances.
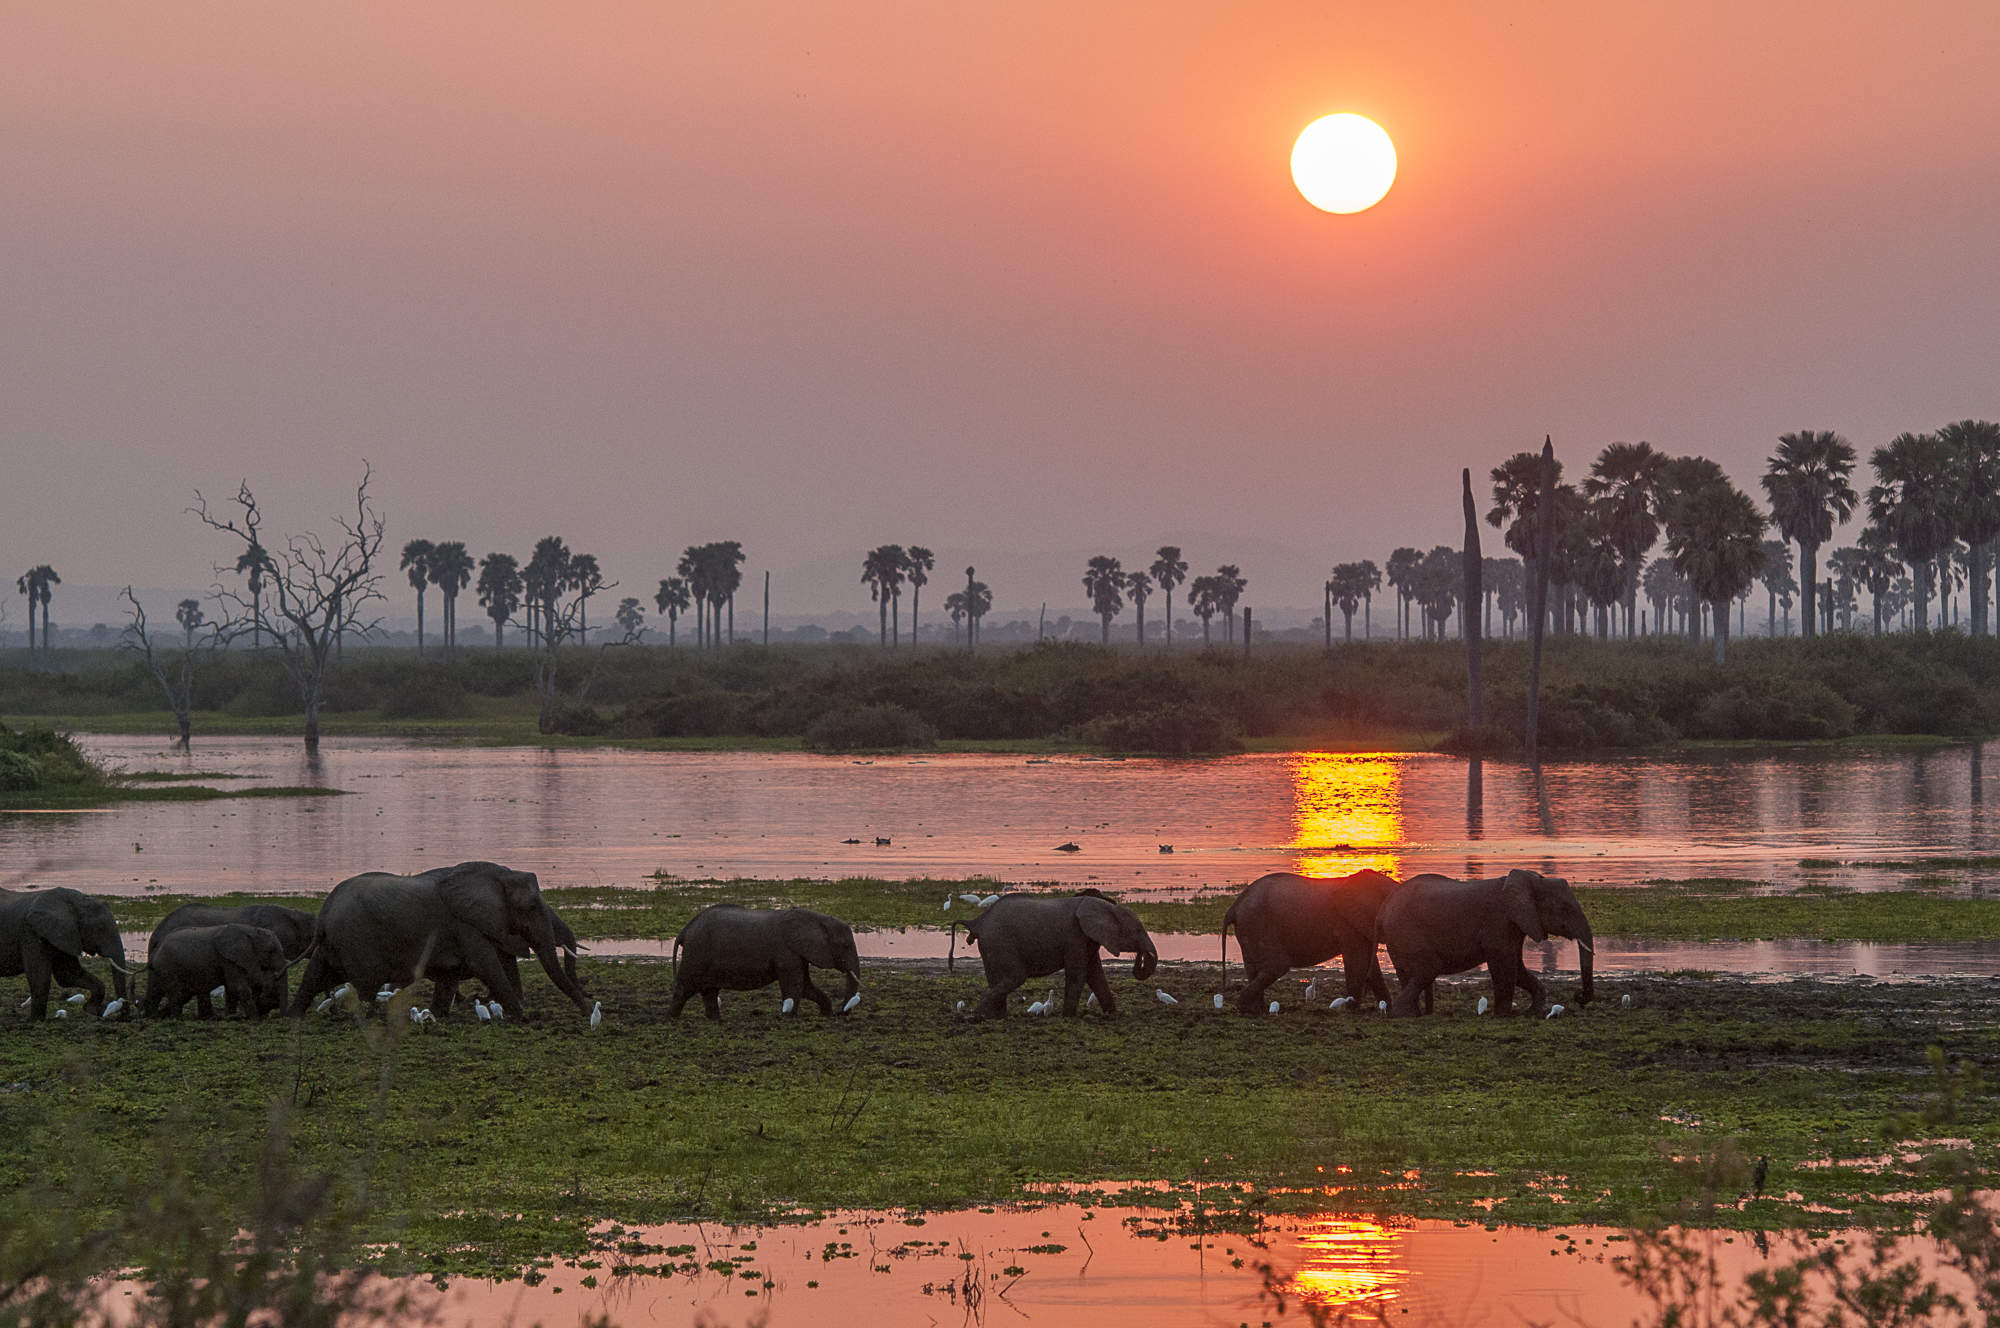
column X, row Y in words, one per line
column 1347, row 813
column 1348, row 1261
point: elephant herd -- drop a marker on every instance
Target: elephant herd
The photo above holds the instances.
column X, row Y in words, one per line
column 477, row 920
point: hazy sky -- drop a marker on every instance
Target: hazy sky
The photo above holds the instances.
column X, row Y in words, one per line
column 995, row 278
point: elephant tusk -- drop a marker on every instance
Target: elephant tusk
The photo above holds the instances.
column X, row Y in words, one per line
column 1586, row 947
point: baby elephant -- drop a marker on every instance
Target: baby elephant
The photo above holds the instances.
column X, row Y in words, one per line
column 248, row 963
column 292, row 926
column 729, row 947
column 1028, row 936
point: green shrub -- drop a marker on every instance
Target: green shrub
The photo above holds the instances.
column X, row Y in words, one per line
column 1782, row 709
column 19, row 772
column 429, row 694
column 872, row 726
column 1176, row 729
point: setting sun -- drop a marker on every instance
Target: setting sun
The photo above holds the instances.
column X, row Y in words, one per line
column 1343, row 163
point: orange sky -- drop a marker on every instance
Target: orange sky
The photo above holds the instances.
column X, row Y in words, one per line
column 993, row 278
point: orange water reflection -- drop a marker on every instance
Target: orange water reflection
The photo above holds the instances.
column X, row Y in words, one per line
column 1347, row 813
column 1350, row 1261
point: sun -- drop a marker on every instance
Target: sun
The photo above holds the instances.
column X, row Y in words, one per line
column 1343, row 163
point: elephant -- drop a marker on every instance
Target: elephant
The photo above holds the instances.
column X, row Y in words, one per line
column 727, row 947
column 1285, row 921
column 43, row 931
column 448, row 924
column 1434, row 925
column 292, row 926
column 247, row 962
column 1031, row 936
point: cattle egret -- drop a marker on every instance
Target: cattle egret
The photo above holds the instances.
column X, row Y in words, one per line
column 960, row 1007
column 1090, row 999
column 597, row 1013
column 1165, row 999
column 1312, row 990
column 25, row 1000
column 1554, row 1011
column 1218, row 1000
column 852, row 1001
column 494, row 1006
column 343, row 989
column 323, row 1006
column 217, row 993
column 61, row 1012
column 1341, row 1002
column 989, row 901
column 1036, row 1008
column 479, row 1008
column 75, row 1000
column 970, row 898
column 416, row 1015
column 113, row 1008
column 947, row 904
column 1274, row 1007
column 786, row 1008
column 1482, row 1006
column 1382, row 1006
column 1626, row 1000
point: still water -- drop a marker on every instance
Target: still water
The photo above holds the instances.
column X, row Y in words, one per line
column 614, row 817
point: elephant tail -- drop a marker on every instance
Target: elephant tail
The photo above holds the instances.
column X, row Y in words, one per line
column 1228, row 921
column 675, row 955
column 951, row 955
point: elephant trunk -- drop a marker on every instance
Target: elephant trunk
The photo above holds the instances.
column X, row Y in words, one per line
column 1586, row 956
column 114, row 954
column 545, row 945
column 1146, row 960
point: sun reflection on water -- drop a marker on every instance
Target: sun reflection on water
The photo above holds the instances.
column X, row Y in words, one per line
column 1347, row 813
column 1350, row 1261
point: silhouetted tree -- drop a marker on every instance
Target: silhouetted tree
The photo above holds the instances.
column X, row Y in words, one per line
column 1169, row 569
column 1349, row 586
column 175, row 673
column 1229, row 587
column 1913, row 501
column 1623, row 484
column 1975, row 451
column 1402, row 573
column 1879, row 567
column 320, row 588
column 500, row 590
column 882, row 573
column 451, row 572
column 586, row 578
column 1506, row 583
column 1204, row 602
column 631, row 619
column 978, row 603
column 417, row 562
column 1139, row 585
column 917, row 564
column 673, row 599
column 1845, row 574
column 954, row 609
column 1715, row 537
column 38, row 584
column 1777, row 578
column 1436, row 586
column 1104, row 582
column 257, row 564
column 1806, row 480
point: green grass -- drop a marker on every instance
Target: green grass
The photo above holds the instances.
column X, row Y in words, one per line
column 502, row 1145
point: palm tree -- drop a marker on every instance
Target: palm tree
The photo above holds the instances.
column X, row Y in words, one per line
column 1845, row 569
column 978, row 600
column 1204, row 598
column 500, row 589
column 1715, row 537
column 1439, row 582
column 1371, row 582
column 1879, row 567
column 673, row 599
column 30, row 586
column 257, row 563
column 630, row 617
column 882, row 573
column 36, row 584
column 693, row 572
column 586, row 579
column 189, row 615
column 1913, row 503
column 1975, row 448
column 1624, row 481
column 1169, row 569
column 1348, row 587
column 917, row 564
column 725, row 559
column 417, row 562
column 1139, row 585
column 1517, row 498
column 1402, row 572
column 1506, row 580
column 954, row 609
column 1777, row 579
column 1229, row 587
column 1104, row 582
column 1806, row 481
column 451, row 572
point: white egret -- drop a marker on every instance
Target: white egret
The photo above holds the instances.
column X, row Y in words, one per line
column 786, row 1008
column 1036, row 1008
column 1626, row 1000
column 1555, row 1011
column 1274, row 1007
column 1218, row 1000
column 494, row 1006
column 217, row 993
column 342, row 990
column 1090, row 999
column 116, row 1005
column 947, row 904
column 1165, row 998
column 852, row 1001
column 62, row 1012
column 960, row 1007
column 597, row 1013
column 74, row 1000
column 1482, row 1006
column 989, row 901
column 323, row 1006
column 1382, row 1007
column 970, row 897
column 1312, row 990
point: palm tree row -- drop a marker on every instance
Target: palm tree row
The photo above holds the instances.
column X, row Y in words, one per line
column 445, row 565
column 708, row 576
column 885, row 570
column 38, row 585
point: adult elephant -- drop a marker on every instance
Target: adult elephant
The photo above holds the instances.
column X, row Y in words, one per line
column 1026, row 936
column 292, row 926
column 1435, row 925
column 42, row 933
column 247, row 962
column 1285, row 921
column 727, row 947
column 449, row 924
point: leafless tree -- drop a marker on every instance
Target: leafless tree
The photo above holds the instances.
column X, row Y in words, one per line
column 561, row 621
column 315, row 589
column 175, row 669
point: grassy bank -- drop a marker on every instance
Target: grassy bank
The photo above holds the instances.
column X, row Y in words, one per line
column 43, row 770
column 1698, row 910
column 1054, row 697
column 497, row 1146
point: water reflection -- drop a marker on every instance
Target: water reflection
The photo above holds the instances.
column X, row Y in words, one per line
column 1350, row 1262
column 1347, row 813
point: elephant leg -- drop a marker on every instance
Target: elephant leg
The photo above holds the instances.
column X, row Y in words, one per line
column 36, row 962
column 678, row 1000
column 1502, row 968
column 813, row 993
column 711, row 1003
column 993, row 1005
column 1363, row 971
column 1073, row 980
column 318, row 977
column 1257, row 981
column 1530, row 983
column 1430, row 996
column 490, row 969
column 203, row 1006
column 70, row 972
column 1100, row 987
column 1416, row 978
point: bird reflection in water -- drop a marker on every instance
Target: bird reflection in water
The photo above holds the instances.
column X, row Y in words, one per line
column 1347, row 813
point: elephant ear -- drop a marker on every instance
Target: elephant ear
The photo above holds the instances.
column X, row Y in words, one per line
column 810, row 939
column 1517, row 898
column 54, row 920
column 473, row 894
column 238, row 946
column 1099, row 919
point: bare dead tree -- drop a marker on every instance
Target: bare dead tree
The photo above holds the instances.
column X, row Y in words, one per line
column 317, row 590
column 175, row 669
column 561, row 620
